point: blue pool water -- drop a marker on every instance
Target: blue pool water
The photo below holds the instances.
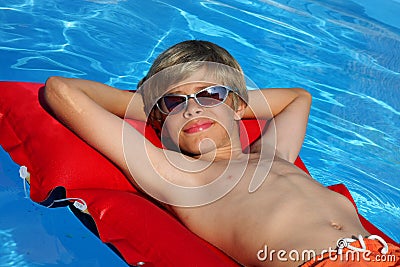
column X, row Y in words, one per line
column 346, row 53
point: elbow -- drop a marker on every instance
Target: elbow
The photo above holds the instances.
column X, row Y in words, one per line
column 55, row 91
column 303, row 92
column 304, row 95
column 54, row 83
column 54, row 86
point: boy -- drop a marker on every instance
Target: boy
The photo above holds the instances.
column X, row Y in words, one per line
column 246, row 204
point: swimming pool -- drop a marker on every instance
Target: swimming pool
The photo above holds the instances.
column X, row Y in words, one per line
column 346, row 53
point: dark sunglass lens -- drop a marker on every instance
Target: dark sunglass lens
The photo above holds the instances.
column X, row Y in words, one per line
column 170, row 102
column 212, row 96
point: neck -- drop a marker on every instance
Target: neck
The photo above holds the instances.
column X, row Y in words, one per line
column 230, row 151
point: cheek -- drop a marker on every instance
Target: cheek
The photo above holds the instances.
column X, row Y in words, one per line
column 226, row 119
column 170, row 130
column 224, row 132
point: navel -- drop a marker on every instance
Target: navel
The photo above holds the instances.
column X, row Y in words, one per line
column 336, row 226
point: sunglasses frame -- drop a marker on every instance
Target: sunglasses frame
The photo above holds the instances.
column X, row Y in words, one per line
column 194, row 96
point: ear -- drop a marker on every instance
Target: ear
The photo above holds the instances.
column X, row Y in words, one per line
column 241, row 107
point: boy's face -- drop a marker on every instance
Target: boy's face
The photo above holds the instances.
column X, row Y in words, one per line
column 198, row 129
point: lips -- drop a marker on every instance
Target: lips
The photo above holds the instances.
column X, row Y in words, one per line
column 198, row 126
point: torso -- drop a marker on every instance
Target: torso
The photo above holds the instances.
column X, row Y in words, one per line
column 289, row 211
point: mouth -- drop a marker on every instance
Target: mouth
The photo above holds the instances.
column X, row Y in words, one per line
column 197, row 126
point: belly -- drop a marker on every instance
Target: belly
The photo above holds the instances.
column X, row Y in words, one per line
column 312, row 221
column 291, row 211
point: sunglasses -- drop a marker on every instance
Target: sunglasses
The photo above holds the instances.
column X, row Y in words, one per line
column 208, row 97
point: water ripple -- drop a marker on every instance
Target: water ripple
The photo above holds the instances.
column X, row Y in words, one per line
column 9, row 254
column 262, row 17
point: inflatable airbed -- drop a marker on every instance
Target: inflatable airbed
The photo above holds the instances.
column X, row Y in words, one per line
column 65, row 171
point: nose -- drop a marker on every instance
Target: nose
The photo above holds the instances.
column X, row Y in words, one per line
column 192, row 108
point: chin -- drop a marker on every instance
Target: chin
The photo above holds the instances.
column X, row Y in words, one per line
column 199, row 147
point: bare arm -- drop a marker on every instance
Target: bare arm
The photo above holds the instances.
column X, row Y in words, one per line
column 77, row 102
column 290, row 108
column 114, row 100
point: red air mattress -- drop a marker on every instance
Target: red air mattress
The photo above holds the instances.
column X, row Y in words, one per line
column 62, row 165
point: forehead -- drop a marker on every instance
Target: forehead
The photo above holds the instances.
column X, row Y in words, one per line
column 200, row 78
